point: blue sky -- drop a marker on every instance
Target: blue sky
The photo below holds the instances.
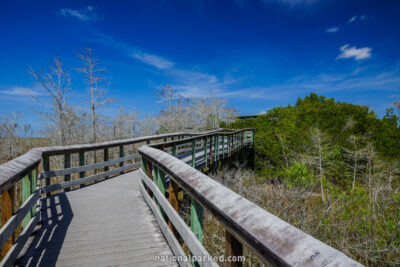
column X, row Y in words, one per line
column 257, row 54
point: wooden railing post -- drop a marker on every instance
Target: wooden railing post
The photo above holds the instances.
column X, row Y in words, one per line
column 121, row 154
column 233, row 248
column 211, row 150
column 229, row 145
column 174, row 150
column 194, row 153
column 81, row 163
column 173, row 199
column 217, row 150
column 105, row 158
column 67, row 164
column 205, row 153
column 46, row 167
column 26, row 192
column 223, row 146
column 149, row 174
column 7, row 210
column 160, row 183
column 196, row 219
column 35, row 174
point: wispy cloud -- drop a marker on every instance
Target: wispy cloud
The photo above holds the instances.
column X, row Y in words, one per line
column 364, row 81
column 21, row 91
column 83, row 14
column 353, row 52
column 153, row 60
column 187, row 82
column 332, row 29
column 357, row 18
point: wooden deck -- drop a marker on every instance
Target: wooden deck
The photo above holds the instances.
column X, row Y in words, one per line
column 105, row 224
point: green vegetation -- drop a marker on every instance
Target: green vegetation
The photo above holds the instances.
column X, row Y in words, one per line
column 339, row 164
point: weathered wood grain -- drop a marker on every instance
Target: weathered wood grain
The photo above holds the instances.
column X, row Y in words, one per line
column 184, row 231
column 88, row 179
column 12, row 223
column 88, row 167
column 172, row 241
column 104, row 224
column 272, row 239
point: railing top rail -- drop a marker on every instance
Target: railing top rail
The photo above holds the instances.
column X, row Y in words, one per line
column 271, row 238
column 15, row 169
column 221, row 131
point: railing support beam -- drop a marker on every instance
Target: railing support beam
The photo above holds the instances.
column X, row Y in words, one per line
column 233, row 250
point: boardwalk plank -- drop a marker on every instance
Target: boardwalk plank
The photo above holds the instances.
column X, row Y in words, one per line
column 104, row 224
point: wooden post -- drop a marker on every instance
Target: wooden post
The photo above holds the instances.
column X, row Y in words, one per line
column 67, row 164
column 7, row 210
column 35, row 173
column 150, row 175
column 161, row 186
column 46, row 167
column 211, row 151
column 26, row 192
column 196, row 219
column 228, row 146
column 233, row 248
column 173, row 200
column 205, row 152
column 174, row 150
column 105, row 158
column 121, row 154
column 215, row 148
column 194, row 153
column 81, row 163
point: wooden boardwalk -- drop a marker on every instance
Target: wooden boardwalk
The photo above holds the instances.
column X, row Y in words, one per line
column 105, row 224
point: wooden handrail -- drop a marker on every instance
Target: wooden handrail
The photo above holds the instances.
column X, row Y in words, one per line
column 273, row 240
column 26, row 167
column 13, row 170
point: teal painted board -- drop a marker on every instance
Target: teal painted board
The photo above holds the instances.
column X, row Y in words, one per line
column 26, row 192
column 33, row 187
column 196, row 219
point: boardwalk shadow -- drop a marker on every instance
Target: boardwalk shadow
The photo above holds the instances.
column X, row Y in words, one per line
column 56, row 214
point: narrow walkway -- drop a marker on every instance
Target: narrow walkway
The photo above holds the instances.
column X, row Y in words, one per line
column 105, row 224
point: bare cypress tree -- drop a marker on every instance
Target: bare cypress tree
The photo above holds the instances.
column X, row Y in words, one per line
column 9, row 126
column 96, row 82
column 56, row 82
column 320, row 152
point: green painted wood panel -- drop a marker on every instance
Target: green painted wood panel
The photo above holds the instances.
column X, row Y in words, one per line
column 26, row 192
column 33, row 187
column 196, row 219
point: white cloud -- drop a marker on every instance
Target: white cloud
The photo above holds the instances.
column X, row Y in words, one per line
column 333, row 29
column 356, row 53
column 84, row 14
column 21, row 91
column 153, row 60
column 352, row 19
column 355, row 18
